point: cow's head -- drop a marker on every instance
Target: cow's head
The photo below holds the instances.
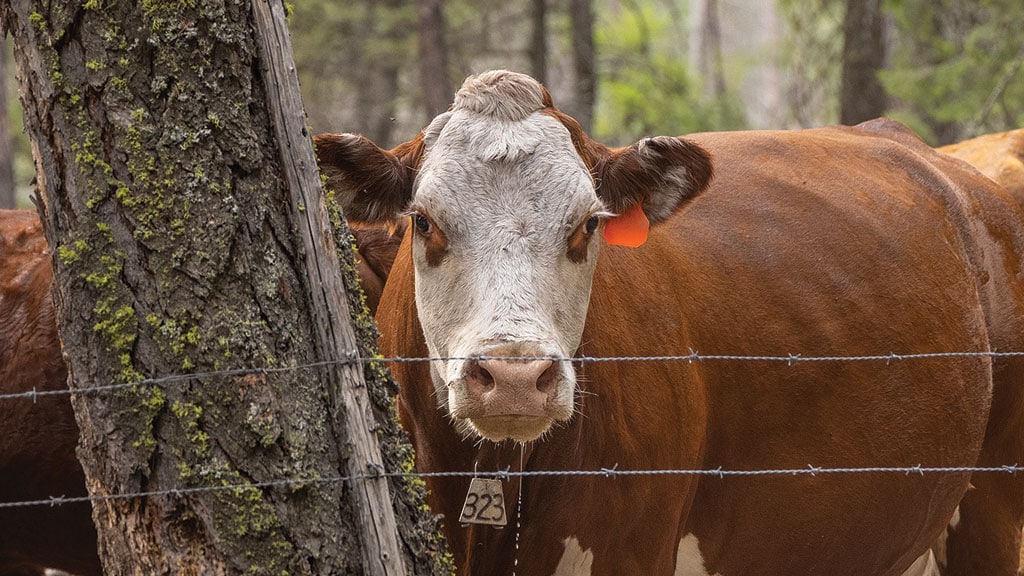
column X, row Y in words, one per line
column 507, row 199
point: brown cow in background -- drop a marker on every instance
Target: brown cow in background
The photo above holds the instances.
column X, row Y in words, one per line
column 38, row 439
column 999, row 156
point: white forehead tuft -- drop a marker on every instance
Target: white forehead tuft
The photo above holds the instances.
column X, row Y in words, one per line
column 500, row 94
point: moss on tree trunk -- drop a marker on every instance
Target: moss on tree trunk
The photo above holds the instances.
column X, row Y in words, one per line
column 164, row 207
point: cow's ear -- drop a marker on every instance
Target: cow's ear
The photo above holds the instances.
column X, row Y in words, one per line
column 371, row 184
column 661, row 174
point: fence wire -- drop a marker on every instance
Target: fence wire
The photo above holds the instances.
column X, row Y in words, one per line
column 354, row 358
column 720, row 473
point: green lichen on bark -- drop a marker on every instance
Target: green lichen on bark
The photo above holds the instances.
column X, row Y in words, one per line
column 428, row 545
column 182, row 252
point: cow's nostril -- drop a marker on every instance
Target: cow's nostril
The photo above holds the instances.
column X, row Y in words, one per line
column 485, row 377
column 480, row 378
column 548, row 379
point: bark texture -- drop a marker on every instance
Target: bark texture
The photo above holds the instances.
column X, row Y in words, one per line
column 166, row 210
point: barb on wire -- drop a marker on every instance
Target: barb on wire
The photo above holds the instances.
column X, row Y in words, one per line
column 693, row 356
column 507, row 474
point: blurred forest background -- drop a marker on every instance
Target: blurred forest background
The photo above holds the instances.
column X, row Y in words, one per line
column 950, row 69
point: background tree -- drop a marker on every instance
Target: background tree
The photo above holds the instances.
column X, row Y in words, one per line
column 862, row 96
column 538, row 49
column 581, row 14
column 709, row 48
column 354, row 64
column 956, row 68
column 437, row 86
column 7, row 195
column 166, row 205
column 811, row 47
column 648, row 87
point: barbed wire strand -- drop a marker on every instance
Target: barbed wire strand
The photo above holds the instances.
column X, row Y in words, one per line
column 613, row 472
column 353, row 357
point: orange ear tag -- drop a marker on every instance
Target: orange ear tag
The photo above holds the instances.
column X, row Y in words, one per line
column 628, row 229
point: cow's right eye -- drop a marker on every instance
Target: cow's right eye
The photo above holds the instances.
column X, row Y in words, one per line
column 422, row 223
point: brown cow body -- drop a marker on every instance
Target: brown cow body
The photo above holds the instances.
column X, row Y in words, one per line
column 38, row 439
column 834, row 241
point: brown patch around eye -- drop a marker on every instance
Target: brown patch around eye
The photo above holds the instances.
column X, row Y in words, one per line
column 579, row 242
column 435, row 243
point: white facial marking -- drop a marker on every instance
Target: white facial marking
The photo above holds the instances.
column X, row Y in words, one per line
column 575, row 561
column 504, row 184
column 925, row 565
column 689, row 561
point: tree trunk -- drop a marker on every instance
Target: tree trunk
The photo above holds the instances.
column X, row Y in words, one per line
column 437, row 88
column 709, row 50
column 7, row 195
column 165, row 198
column 538, row 48
column 581, row 14
column 862, row 95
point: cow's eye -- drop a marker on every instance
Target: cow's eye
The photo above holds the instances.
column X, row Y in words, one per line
column 592, row 224
column 422, row 223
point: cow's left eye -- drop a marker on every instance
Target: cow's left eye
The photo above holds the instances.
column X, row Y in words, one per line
column 422, row 223
column 592, row 224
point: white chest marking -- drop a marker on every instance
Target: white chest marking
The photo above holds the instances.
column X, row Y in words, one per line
column 923, row 566
column 689, row 561
column 575, row 561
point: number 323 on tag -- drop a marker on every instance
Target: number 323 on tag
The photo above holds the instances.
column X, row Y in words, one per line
column 485, row 503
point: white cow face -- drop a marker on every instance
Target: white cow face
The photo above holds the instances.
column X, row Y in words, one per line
column 506, row 220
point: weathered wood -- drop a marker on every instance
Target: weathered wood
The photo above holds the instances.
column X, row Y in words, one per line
column 331, row 318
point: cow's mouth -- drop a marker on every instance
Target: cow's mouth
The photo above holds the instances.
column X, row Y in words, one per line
column 511, row 427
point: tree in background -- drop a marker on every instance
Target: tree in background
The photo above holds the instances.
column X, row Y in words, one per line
column 646, row 87
column 861, row 95
column 7, row 196
column 581, row 14
column 953, row 67
column 433, row 57
column 811, row 47
column 956, row 67
column 709, row 48
column 538, row 48
column 353, row 61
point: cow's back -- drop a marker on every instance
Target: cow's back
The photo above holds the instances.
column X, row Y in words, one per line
column 37, row 438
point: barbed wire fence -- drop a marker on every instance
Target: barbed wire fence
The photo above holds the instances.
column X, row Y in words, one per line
column 35, row 395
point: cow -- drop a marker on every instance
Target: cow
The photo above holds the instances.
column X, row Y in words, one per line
column 375, row 250
column 38, row 438
column 533, row 249
column 1000, row 156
